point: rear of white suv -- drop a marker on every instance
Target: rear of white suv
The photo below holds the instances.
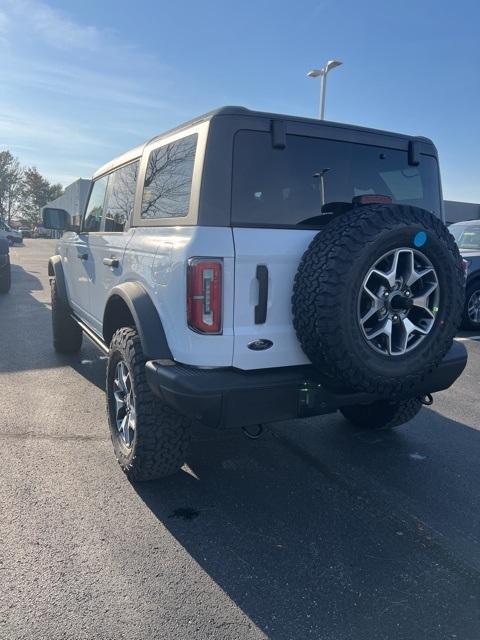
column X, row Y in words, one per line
column 193, row 246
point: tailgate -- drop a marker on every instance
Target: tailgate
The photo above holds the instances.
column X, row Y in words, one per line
column 280, row 251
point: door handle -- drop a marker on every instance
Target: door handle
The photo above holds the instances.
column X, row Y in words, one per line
column 111, row 262
column 82, row 256
column 261, row 307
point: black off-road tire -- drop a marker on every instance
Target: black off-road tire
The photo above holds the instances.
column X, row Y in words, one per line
column 67, row 335
column 383, row 414
column 467, row 322
column 161, row 437
column 5, row 278
column 326, row 293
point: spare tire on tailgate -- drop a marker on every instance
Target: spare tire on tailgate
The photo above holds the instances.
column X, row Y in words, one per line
column 378, row 298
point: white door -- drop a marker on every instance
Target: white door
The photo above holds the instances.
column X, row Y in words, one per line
column 80, row 265
column 108, row 247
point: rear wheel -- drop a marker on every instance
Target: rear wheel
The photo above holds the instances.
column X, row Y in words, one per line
column 471, row 312
column 383, row 414
column 67, row 335
column 150, row 438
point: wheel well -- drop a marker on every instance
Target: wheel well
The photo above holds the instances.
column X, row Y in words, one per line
column 117, row 315
column 474, row 280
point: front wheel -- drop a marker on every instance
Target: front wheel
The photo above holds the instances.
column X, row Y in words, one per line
column 150, row 438
column 382, row 414
column 67, row 335
column 5, row 278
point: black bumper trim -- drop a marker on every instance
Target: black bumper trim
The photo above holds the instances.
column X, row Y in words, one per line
column 233, row 398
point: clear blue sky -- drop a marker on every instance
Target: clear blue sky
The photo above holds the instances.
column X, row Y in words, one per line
column 81, row 82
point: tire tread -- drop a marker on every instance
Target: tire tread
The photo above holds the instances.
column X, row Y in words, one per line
column 163, row 435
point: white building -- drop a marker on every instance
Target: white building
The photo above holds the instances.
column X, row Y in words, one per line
column 73, row 200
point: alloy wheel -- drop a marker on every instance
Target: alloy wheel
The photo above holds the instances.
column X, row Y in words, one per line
column 125, row 414
column 473, row 307
column 398, row 302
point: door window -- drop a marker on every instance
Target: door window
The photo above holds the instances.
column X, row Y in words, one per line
column 121, row 197
column 93, row 214
column 168, row 180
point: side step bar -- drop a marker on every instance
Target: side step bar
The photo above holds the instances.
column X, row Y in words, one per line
column 97, row 341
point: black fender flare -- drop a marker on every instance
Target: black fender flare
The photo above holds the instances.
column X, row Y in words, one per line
column 147, row 321
column 55, row 270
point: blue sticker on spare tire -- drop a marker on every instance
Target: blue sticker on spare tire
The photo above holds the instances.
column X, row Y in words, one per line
column 420, row 239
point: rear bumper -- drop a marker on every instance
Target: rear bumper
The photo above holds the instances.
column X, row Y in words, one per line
column 232, row 398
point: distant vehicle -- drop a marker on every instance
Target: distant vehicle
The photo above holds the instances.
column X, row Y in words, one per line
column 26, row 232
column 41, row 232
column 11, row 235
column 467, row 236
column 5, row 277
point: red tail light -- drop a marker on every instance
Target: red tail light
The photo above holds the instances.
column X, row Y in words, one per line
column 204, row 294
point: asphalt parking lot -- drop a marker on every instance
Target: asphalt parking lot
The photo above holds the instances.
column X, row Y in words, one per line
column 316, row 530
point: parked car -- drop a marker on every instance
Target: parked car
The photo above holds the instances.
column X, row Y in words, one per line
column 11, row 235
column 467, row 236
column 5, row 275
column 250, row 267
column 26, row 232
column 39, row 231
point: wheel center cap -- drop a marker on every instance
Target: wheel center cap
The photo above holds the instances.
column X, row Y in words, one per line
column 400, row 302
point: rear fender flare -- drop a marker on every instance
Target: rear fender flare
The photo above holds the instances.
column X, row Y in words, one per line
column 147, row 321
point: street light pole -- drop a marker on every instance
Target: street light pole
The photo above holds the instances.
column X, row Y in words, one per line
column 322, row 74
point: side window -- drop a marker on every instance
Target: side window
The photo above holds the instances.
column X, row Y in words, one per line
column 168, row 179
column 94, row 211
column 121, row 197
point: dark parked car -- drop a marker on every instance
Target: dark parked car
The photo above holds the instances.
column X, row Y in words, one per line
column 26, row 232
column 4, row 266
column 467, row 235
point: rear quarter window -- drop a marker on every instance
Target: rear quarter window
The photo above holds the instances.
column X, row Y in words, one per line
column 168, row 180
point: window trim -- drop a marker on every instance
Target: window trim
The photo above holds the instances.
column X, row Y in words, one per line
column 191, row 218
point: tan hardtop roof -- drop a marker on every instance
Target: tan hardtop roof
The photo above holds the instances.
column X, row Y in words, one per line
column 137, row 151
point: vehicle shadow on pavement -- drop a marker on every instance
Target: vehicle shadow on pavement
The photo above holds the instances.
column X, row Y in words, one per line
column 26, row 333
column 321, row 532
column 25, row 341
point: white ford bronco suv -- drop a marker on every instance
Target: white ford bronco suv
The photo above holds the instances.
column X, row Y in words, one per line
column 249, row 267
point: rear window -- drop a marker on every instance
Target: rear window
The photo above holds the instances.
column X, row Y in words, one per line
column 312, row 176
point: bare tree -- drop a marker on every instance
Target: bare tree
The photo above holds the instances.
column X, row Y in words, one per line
column 11, row 175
